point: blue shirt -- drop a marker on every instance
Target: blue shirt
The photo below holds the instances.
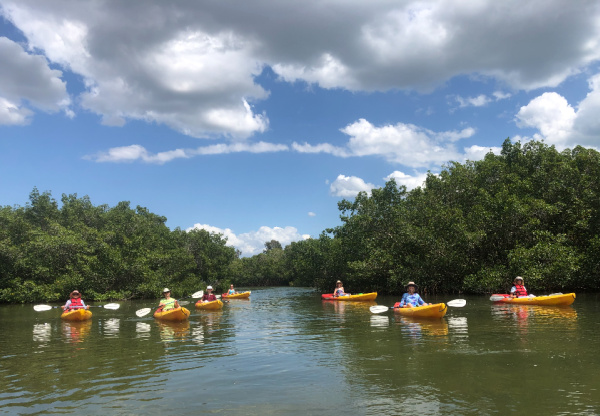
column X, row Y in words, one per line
column 413, row 299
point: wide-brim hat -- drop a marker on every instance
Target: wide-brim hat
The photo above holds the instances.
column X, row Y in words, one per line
column 209, row 288
column 518, row 278
column 411, row 284
column 75, row 293
column 166, row 289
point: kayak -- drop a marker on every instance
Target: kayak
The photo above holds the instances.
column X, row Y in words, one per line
column 437, row 310
column 211, row 306
column 76, row 315
column 243, row 295
column 359, row 297
column 549, row 300
column 177, row 314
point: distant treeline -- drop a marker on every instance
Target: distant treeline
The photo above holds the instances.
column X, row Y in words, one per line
column 530, row 211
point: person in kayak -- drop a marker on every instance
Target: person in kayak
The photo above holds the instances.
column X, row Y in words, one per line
column 167, row 303
column 518, row 290
column 209, row 297
column 339, row 290
column 412, row 299
column 75, row 302
column 231, row 290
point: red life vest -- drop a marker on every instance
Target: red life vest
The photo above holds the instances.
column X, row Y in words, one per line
column 76, row 303
column 520, row 290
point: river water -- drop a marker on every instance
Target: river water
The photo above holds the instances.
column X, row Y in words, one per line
column 286, row 352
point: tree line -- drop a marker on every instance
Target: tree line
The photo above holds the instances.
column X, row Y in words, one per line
column 530, row 211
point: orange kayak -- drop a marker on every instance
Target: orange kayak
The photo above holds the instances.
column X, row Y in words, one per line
column 176, row 314
column 243, row 295
column 360, row 297
column 549, row 300
column 437, row 310
column 210, row 306
column 76, row 315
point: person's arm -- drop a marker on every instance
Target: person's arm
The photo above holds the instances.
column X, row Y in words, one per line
column 403, row 300
column 83, row 303
column 67, row 304
column 176, row 303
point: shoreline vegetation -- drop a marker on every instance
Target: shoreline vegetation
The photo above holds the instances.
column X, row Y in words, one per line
column 530, row 211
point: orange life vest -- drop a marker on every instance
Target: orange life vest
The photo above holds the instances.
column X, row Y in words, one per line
column 520, row 291
column 76, row 303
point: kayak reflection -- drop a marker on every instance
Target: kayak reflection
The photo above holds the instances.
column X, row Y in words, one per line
column 76, row 331
column 172, row 331
column 417, row 327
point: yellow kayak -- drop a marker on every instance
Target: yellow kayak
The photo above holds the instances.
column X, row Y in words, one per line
column 177, row 314
column 243, row 295
column 437, row 310
column 549, row 300
column 210, row 306
column 359, row 297
column 76, row 315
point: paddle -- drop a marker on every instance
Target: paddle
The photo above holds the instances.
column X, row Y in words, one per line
column 40, row 308
column 495, row 298
column 146, row 311
column 456, row 303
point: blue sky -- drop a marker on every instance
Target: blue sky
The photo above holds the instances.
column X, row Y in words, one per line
column 254, row 119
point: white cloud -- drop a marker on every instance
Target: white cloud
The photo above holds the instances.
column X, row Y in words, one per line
column 411, row 182
column 312, row 214
column 479, row 101
column 27, row 80
column 551, row 114
column 137, row 152
column 349, row 186
column 478, row 152
column 499, row 95
column 253, row 242
column 193, row 66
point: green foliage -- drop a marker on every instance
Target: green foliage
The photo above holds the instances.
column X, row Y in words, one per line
column 106, row 253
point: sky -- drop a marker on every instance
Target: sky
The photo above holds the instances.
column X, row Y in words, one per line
column 254, row 119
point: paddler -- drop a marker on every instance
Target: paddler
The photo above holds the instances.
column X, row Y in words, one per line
column 339, row 290
column 75, row 302
column 231, row 290
column 167, row 303
column 518, row 290
column 411, row 298
column 209, row 296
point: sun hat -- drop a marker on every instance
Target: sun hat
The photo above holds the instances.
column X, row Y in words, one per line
column 166, row 289
column 518, row 278
column 339, row 281
column 209, row 288
column 75, row 293
column 411, row 284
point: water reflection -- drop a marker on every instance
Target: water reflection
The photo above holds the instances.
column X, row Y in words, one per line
column 111, row 327
column 76, row 332
column 416, row 327
column 42, row 332
column 142, row 329
column 459, row 327
column 173, row 331
column 379, row 321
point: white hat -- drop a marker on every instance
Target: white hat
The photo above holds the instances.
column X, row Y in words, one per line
column 166, row 289
column 209, row 288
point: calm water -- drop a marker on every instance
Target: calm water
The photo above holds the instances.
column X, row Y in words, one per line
column 286, row 352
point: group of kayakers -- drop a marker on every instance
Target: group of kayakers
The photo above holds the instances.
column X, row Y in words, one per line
column 165, row 304
column 410, row 299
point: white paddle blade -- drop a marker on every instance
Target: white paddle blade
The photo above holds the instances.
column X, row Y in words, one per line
column 40, row 308
column 183, row 303
column 378, row 309
column 143, row 312
column 198, row 294
column 495, row 298
column 457, row 303
column 113, row 306
column 218, row 296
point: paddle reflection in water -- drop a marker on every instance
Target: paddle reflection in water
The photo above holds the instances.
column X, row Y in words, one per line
column 142, row 329
column 42, row 333
column 110, row 327
column 380, row 321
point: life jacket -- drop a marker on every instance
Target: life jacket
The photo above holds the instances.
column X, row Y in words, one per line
column 76, row 303
column 520, row 290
